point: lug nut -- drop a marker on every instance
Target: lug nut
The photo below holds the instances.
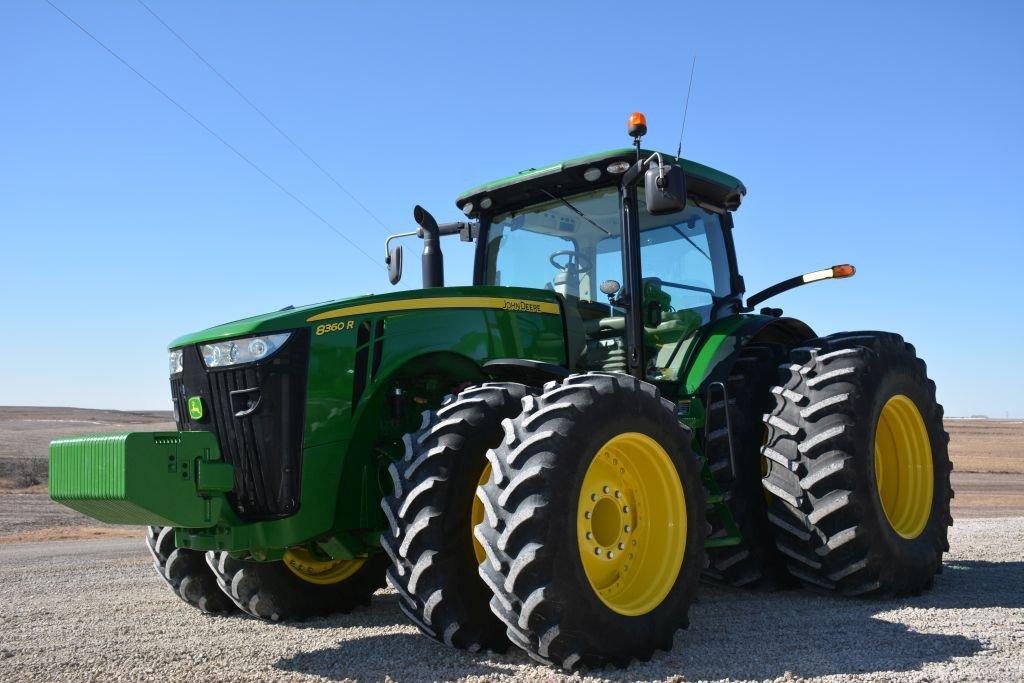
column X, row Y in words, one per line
column 597, row 551
column 593, row 496
column 618, row 494
column 627, row 528
column 587, row 514
column 605, row 489
column 589, row 535
column 625, row 508
column 622, row 546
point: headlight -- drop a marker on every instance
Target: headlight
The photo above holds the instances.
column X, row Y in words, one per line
column 175, row 361
column 238, row 351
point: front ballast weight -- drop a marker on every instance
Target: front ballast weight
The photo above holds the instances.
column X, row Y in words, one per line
column 172, row 479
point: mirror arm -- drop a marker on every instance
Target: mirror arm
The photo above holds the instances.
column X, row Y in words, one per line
column 634, row 171
column 466, row 230
column 387, row 243
column 661, row 165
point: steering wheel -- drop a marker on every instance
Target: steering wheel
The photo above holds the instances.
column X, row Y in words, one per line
column 576, row 261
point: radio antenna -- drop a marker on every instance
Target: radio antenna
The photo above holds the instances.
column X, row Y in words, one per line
column 686, row 108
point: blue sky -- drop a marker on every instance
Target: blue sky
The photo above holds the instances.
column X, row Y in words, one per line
column 888, row 136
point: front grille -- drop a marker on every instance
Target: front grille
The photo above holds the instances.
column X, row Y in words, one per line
column 256, row 412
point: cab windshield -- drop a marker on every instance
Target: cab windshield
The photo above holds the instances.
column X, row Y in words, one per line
column 572, row 245
column 551, row 246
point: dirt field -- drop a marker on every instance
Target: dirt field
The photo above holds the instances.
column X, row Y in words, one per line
column 986, row 445
column 988, row 467
column 26, row 511
column 25, row 435
column 988, row 462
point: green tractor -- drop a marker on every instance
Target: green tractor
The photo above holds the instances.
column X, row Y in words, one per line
column 552, row 457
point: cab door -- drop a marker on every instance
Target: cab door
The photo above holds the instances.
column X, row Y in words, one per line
column 685, row 278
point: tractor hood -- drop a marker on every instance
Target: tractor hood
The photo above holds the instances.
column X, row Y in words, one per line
column 277, row 321
column 439, row 297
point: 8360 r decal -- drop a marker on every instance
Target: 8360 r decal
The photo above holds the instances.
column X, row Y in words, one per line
column 335, row 327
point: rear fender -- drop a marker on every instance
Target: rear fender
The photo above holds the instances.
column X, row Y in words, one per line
column 724, row 339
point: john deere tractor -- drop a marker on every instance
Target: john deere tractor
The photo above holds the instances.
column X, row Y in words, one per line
column 550, row 457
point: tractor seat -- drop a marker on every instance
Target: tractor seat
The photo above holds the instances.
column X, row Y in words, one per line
column 593, row 327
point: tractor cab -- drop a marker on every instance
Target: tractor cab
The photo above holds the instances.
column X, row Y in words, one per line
column 574, row 247
column 583, row 229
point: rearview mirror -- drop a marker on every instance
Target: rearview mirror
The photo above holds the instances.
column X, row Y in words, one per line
column 664, row 189
column 395, row 264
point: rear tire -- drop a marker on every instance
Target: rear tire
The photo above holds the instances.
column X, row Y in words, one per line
column 185, row 572
column 434, row 561
column 856, row 409
column 272, row 591
column 754, row 561
column 546, row 510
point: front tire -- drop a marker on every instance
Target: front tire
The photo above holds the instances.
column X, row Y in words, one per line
column 185, row 572
column 594, row 523
column 858, row 466
column 302, row 588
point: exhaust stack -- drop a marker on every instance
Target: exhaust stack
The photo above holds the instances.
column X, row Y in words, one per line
column 433, row 259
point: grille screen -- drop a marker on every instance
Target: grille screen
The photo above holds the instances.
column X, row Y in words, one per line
column 256, row 412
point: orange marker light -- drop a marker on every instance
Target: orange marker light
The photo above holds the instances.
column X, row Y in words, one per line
column 637, row 124
column 844, row 270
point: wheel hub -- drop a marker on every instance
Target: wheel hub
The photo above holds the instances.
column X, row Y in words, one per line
column 631, row 523
column 608, row 523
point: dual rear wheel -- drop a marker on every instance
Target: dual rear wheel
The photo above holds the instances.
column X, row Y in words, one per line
column 589, row 526
column 594, row 525
column 584, row 540
column 858, row 467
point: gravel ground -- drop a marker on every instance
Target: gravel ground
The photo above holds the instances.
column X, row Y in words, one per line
column 95, row 611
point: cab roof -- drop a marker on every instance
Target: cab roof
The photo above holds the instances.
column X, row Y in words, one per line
column 566, row 178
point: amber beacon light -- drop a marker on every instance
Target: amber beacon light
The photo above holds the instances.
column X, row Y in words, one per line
column 637, row 124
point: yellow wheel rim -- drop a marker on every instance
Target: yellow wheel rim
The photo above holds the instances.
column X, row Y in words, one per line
column 307, row 567
column 477, row 516
column 903, row 466
column 631, row 524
